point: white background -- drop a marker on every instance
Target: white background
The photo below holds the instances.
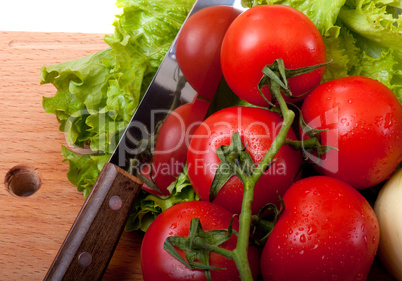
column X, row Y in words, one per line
column 84, row 16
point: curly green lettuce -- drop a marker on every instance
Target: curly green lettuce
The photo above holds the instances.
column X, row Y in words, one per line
column 322, row 12
column 98, row 94
column 147, row 207
column 377, row 30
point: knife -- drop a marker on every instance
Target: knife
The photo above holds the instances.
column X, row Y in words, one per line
column 93, row 237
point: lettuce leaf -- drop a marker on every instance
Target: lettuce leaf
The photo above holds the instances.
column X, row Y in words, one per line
column 106, row 87
column 373, row 21
column 323, row 13
column 377, row 29
column 343, row 53
column 80, row 92
column 84, row 169
column 98, row 94
column 148, row 206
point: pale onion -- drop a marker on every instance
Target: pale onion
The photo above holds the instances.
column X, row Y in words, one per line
column 388, row 208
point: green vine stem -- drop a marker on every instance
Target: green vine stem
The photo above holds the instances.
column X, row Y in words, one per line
column 240, row 252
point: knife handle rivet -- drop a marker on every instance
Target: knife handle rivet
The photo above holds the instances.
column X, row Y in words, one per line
column 85, row 259
column 115, row 202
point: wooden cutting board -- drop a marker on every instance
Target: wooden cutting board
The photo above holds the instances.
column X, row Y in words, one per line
column 33, row 227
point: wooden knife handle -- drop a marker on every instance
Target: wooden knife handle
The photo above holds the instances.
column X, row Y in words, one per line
column 90, row 244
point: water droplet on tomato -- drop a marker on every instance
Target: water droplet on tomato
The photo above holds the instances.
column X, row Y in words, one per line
column 302, row 238
column 311, row 229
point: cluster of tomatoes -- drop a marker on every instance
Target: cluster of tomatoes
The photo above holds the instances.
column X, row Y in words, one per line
column 327, row 230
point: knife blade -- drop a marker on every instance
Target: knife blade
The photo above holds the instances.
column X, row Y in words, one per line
column 93, row 237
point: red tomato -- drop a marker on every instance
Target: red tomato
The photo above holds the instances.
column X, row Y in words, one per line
column 327, row 231
column 364, row 119
column 158, row 264
column 258, row 128
column 263, row 34
column 198, row 47
column 172, row 143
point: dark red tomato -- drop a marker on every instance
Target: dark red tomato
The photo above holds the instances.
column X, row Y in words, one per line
column 263, row 34
column 198, row 47
column 158, row 264
column 327, row 231
column 258, row 128
column 364, row 119
column 171, row 146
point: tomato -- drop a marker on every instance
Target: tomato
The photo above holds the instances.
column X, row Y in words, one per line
column 158, row 264
column 258, row 128
column 327, row 231
column 364, row 119
column 171, row 146
column 263, row 34
column 198, row 47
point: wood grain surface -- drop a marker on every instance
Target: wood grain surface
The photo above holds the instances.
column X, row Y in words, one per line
column 34, row 227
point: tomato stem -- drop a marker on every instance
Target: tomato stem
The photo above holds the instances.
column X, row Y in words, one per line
column 288, row 117
column 241, row 257
column 249, row 182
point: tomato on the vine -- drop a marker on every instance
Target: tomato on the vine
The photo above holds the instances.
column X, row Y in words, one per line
column 158, row 264
column 364, row 122
column 263, row 34
column 327, row 231
column 198, row 47
column 258, row 128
